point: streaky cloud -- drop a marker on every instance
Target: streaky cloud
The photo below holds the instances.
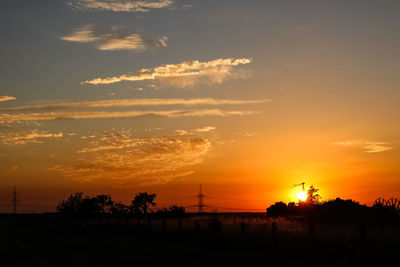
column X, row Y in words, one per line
column 83, row 34
column 368, row 146
column 134, row 102
column 184, row 74
column 204, row 129
column 114, row 41
column 6, row 98
column 25, row 137
column 118, row 5
column 9, row 118
column 376, row 147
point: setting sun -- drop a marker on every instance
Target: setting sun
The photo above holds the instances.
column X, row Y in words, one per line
column 268, row 128
column 134, row 102
column 301, row 195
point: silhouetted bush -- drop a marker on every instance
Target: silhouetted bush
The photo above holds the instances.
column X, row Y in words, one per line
column 333, row 210
column 119, row 209
column 278, row 209
column 172, row 211
column 79, row 205
column 142, row 202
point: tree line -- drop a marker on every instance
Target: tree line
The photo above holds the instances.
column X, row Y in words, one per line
column 78, row 204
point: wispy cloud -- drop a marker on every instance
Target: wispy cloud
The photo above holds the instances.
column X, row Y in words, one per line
column 26, row 137
column 9, row 118
column 6, row 98
column 195, row 131
column 119, row 5
column 83, row 34
column 121, row 157
column 184, row 74
column 114, row 40
column 375, row 147
column 368, row 146
column 247, row 134
column 204, row 129
column 134, row 102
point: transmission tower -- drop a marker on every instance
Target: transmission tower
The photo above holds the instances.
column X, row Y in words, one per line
column 200, row 197
column 14, row 200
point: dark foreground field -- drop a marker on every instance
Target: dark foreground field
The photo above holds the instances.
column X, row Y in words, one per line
column 210, row 240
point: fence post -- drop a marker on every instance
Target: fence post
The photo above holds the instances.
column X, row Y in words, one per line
column 243, row 228
column 274, row 232
column 311, row 234
column 163, row 226
column 216, row 225
column 149, row 225
column 197, row 225
column 179, row 225
column 363, row 235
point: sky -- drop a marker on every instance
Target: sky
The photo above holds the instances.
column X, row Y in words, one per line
column 246, row 98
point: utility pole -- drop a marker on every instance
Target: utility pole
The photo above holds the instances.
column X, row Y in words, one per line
column 200, row 197
column 14, row 200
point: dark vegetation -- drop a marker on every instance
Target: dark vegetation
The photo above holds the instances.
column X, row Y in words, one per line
column 96, row 231
column 78, row 205
column 333, row 210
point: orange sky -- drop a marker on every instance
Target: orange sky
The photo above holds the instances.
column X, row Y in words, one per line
column 245, row 98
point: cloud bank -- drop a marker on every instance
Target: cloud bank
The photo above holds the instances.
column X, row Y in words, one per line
column 118, row 5
column 184, row 74
column 114, row 41
column 6, row 98
column 121, row 157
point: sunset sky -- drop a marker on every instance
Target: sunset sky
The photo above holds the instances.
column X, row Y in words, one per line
column 246, row 98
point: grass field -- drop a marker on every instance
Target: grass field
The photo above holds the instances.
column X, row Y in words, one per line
column 209, row 240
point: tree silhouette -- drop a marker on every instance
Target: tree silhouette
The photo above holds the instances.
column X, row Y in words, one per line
column 105, row 203
column 77, row 204
column 119, row 209
column 277, row 209
column 72, row 204
column 142, row 202
column 312, row 196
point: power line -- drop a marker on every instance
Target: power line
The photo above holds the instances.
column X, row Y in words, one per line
column 200, row 205
column 44, row 199
column 37, row 206
column 236, row 208
column 177, row 198
column 231, row 199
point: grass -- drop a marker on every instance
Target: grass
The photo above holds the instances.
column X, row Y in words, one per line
column 42, row 240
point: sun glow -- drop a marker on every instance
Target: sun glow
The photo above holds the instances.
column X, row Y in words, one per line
column 301, row 196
